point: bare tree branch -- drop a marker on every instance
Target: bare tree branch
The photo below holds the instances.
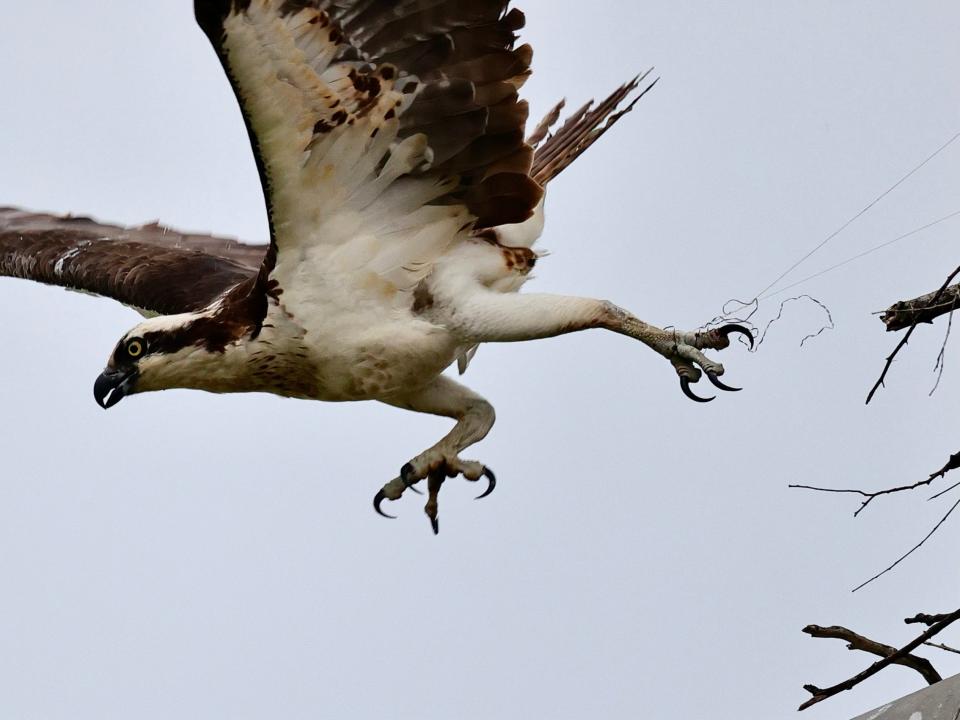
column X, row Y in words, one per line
column 821, row 694
column 920, row 310
column 942, row 355
column 925, row 619
column 937, row 296
column 952, row 464
column 859, row 642
column 911, row 551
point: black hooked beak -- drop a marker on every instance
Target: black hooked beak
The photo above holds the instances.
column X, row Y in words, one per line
column 112, row 385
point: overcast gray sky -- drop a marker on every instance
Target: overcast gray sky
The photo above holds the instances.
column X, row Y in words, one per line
column 197, row 556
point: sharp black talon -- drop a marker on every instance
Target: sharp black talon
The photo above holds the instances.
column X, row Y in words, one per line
column 726, row 330
column 405, row 472
column 685, row 386
column 379, row 498
column 435, row 524
column 717, row 383
column 492, row 483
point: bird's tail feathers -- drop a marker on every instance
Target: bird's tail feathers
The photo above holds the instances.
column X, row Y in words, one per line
column 555, row 152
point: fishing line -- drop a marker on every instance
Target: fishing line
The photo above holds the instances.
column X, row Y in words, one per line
column 860, row 255
column 752, row 306
column 747, row 309
column 849, row 222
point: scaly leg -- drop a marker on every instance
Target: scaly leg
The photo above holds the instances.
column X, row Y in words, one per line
column 474, row 416
column 488, row 316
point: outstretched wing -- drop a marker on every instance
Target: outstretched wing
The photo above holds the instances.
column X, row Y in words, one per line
column 381, row 129
column 151, row 268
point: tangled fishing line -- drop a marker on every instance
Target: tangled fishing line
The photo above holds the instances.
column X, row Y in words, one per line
column 743, row 311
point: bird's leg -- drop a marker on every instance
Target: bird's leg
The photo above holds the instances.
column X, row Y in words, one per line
column 682, row 348
column 488, row 316
column 474, row 416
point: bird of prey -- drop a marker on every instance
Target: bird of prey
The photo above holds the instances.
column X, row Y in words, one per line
column 403, row 197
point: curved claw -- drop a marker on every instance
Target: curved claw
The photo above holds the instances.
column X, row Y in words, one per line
column 379, row 498
column 405, row 472
column 491, row 483
column 685, row 386
column 726, row 330
column 718, row 384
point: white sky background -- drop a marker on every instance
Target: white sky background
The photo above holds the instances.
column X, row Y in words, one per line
column 197, row 556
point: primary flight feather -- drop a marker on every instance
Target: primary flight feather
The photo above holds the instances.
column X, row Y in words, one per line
column 404, row 197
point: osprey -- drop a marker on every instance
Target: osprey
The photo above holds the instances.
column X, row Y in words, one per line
column 403, row 200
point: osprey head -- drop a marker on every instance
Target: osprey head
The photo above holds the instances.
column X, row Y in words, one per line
column 164, row 352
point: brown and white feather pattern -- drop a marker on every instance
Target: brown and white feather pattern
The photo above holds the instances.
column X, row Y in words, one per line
column 368, row 168
column 584, row 127
column 390, row 141
column 162, row 270
column 152, row 268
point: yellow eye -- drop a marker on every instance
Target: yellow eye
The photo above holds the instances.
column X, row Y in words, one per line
column 135, row 347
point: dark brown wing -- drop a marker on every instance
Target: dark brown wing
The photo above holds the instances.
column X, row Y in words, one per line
column 292, row 56
column 151, row 267
column 555, row 153
column 464, row 53
column 383, row 129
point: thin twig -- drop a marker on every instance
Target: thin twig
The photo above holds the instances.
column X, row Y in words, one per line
column 952, row 464
column 945, row 491
column 820, row 694
column 856, row 641
column 942, row 355
column 911, row 550
column 868, row 495
column 903, row 341
column 943, row 647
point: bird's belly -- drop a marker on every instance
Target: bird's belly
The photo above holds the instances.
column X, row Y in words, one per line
column 350, row 360
column 377, row 368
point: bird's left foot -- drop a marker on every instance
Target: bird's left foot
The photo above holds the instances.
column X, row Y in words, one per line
column 435, row 468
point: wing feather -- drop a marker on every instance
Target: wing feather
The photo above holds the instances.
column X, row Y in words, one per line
column 392, row 128
column 151, row 268
column 583, row 128
column 354, row 108
column 382, row 131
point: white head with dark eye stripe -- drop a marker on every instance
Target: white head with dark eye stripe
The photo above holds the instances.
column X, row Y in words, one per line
column 160, row 353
